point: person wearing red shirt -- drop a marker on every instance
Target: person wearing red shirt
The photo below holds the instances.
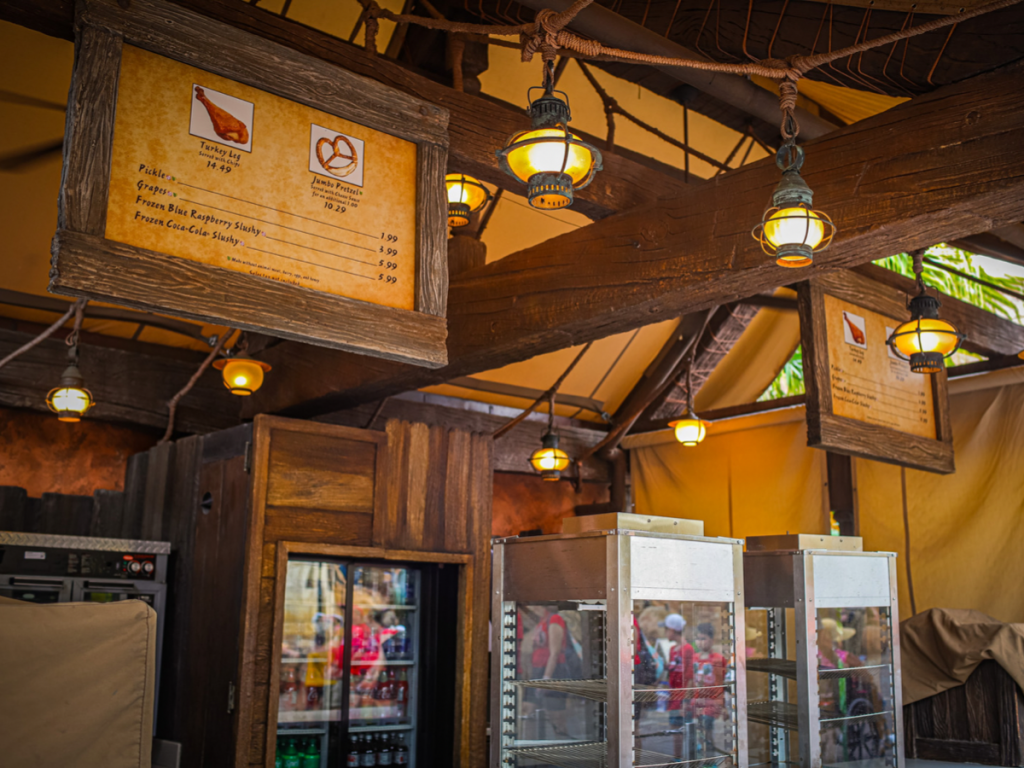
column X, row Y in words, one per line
column 708, row 672
column 680, row 668
column 547, row 662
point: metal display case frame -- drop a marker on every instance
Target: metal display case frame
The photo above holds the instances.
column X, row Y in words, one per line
column 808, row 573
column 616, row 566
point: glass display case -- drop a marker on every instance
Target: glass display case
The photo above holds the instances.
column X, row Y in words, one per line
column 349, row 664
column 619, row 642
column 823, row 663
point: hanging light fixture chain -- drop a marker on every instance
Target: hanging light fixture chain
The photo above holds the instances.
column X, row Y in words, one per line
column 172, row 404
column 918, row 257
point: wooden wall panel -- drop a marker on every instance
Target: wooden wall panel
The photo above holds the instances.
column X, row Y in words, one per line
column 320, row 472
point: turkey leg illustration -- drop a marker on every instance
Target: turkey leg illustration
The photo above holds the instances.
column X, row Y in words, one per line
column 855, row 332
column 225, row 125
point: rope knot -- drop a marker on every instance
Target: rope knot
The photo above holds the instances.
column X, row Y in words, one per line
column 372, row 15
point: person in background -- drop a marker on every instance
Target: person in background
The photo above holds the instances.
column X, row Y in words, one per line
column 547, row 662
column 680, row 676
column 708, row 672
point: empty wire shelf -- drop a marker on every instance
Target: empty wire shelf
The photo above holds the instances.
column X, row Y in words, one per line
column 780, row 714
column 831, row 674
column 597, row 690
column 594, row 754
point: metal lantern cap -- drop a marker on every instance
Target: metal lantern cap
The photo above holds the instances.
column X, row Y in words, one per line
column 466, row 195
column 790, row 230
column 548, row 158
column 549, row 460
column 70, row 399
column 926, row 340
column 241, row 375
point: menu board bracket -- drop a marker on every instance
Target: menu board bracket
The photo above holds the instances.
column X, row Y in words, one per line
column 320, row 215
column 862, row 400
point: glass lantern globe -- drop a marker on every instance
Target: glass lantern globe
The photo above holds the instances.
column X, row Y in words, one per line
column 549, row 460
column 925, row 340
column 241, row 375
column 550, row 159
column 70, row 399
column 69, row 403
column 689, row 430
column 466, row 195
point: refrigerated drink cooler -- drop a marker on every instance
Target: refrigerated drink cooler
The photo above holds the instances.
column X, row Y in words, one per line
column 619, row 642
column 823, row 672
column 354, row 639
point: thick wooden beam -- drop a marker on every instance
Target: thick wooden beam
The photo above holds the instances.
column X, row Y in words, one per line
column 131, row 381
column 987, row 334
column 939, row 167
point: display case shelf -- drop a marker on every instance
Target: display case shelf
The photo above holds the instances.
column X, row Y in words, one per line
column 856, row 718
column 780, row 714
column 787, row 668
column 595, row 755
column 310, row 716
column 597, row 690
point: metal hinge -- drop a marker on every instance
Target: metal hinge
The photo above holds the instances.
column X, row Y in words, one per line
column 231, row 696
column 248, row 457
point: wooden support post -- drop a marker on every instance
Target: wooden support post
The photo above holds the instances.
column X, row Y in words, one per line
column 842, row 493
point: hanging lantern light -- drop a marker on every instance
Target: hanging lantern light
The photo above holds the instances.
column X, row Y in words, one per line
column 549, row 460
column 549, row 158
column 925, row 340
column 241, row 375
column 70, row 399
column 466, row 195
column 790, row 229
column 689, row 428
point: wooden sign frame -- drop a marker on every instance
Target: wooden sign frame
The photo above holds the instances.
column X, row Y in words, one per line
column 849, row 436
column 86, row 264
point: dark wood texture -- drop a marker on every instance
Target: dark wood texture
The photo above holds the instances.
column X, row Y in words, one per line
column 84, row 264
column 465, row 253
column 413, row 493
column 981, row 721
column 510, row 452
column 89, row 131
column 848, row 436
column 842, row 492
column 987, row 334
column 129, row 385
column 937, row 167
column 93, row 267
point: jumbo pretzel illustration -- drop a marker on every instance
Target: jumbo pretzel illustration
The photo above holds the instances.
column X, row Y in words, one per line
column 336, row 153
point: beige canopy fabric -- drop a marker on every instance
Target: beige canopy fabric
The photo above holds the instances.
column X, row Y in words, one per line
column 76, row 684
column 942, row 647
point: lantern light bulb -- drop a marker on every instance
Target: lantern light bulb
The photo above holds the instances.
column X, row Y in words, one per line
column 241, row 375
column 689, row 430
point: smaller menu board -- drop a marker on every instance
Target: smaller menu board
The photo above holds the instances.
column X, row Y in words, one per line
column 869, row 382
column 863, row 400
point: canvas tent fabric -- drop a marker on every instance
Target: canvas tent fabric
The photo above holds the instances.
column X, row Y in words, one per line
column 77, row 682
column 755, row 476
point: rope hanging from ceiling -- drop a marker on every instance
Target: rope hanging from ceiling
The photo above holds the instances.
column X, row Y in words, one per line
column 548, row 36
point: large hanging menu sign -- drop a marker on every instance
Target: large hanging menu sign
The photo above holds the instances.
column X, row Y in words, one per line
column 244, row 184
column 247, row 181
column 862, row 400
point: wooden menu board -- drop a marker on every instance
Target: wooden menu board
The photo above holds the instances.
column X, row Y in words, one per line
column 862, row 400
column 241, row 183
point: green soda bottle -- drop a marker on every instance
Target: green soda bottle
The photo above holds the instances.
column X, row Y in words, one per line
column 312, row 757
column 291, row 756
column 279, row 757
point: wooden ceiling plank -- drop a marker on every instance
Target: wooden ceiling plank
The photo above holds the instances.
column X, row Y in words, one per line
column 942, row 166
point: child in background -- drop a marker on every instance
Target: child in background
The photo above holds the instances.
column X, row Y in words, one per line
column 708, row 671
